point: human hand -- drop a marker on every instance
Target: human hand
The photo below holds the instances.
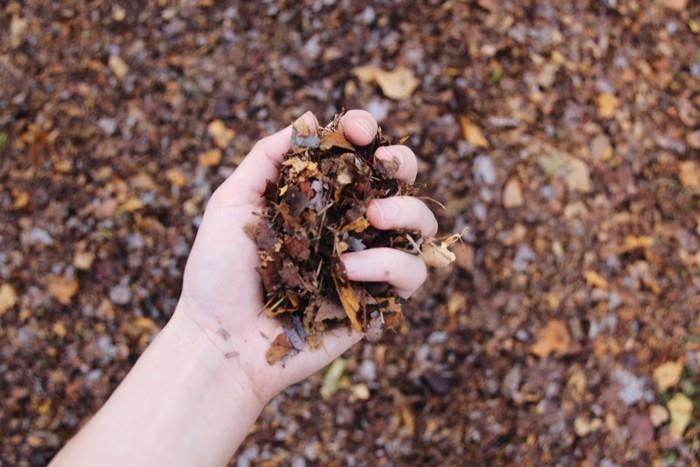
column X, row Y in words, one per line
column 222, row 296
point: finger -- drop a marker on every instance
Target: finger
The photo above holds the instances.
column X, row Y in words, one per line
column 406, row 272
column 359, row 127
column 399, row 162
column 402, row 212
column 260, row 165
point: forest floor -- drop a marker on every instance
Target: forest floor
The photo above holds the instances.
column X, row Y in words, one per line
column 564, row 135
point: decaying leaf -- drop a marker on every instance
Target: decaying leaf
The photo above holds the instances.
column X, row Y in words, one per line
column 348, row 298
column 439, row 255
column 574, row 171
column 472, row 133
column 130, row 205
column 335, row 139
column 280, row 348
column 607, row 105
column 220, row 133
column 680, row 409
column 668, row 375
column 395, row 84
column 553, row 338
column 331, row 381
column 62, row 288
column 210, row 158
column 314, row 213
column 8, row 298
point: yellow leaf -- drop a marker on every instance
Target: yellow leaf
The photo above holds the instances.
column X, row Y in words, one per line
column 681, row 410
column 607, row 105
column 83, row 260
column 593, row 279
column 513, row 194
column 332, row 378
column 552, row 338
column 210, row 158
column 351, row 305
column 21, row 199
column 118, row 66
column 396, row 84
column 130, row 205
column 59, row 329
column 220, row 133
column 176, row 177
column 8, row 298
column 689, row 174
column 668, row 374
column 62, row 288
column 472, row 133
column 358, row 225
column 632, row 243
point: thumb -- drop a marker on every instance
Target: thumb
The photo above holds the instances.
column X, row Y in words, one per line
column 247, row 183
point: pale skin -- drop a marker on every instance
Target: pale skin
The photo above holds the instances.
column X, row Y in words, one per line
column 198, row 388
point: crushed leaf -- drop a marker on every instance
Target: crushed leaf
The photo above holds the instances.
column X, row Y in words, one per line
column 472, row 133
column 8, row 298
column 62, row 288
column 668, row 374
column 553, row 338
column 396, row 84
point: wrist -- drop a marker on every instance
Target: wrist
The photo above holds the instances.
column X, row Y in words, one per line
column 215, row 366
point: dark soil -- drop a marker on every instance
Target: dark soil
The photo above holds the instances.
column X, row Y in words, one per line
column 565, row 135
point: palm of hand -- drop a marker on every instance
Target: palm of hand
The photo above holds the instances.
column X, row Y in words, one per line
column 222, row 293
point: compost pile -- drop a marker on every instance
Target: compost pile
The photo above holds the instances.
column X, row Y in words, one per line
column 315, row 213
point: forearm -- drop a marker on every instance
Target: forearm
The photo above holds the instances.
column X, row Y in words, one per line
column 177, row 406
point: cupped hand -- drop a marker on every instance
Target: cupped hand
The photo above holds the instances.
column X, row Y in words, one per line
column 222, row 295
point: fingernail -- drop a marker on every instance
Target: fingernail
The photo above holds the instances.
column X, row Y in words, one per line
column 388, row 210
column 366, row 126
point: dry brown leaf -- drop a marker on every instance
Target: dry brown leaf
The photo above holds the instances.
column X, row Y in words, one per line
column 689, row 174
column 677, row 5
column 62, row 288
column 584, row 426
column 632, row 243
column 574, row 171
column 607, row 105
column 210, row 158
column 220, row 133
column 358, row 225
column 280, row 348
column 439, row 255
column 553, row 338
column 329, row 311
column 658, row 415
column 21, row 199
column 681, row 411
column 130, row 205
column 472, row 133
column 396, row 84
column 83, row 260
column 513, row 194
column 593, row 279
column 118, row 66
column 668, row 374
column 8, row 298
column 351, row 305
column 176, row 177
column 335, row 139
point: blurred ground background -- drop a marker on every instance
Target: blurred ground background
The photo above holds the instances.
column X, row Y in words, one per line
column 565, row 135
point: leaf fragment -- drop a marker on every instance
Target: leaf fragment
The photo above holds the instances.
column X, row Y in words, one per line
column 472, row 133
column 280, row 348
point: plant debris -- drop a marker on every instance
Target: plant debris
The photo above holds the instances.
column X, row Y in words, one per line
column 315, row 213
